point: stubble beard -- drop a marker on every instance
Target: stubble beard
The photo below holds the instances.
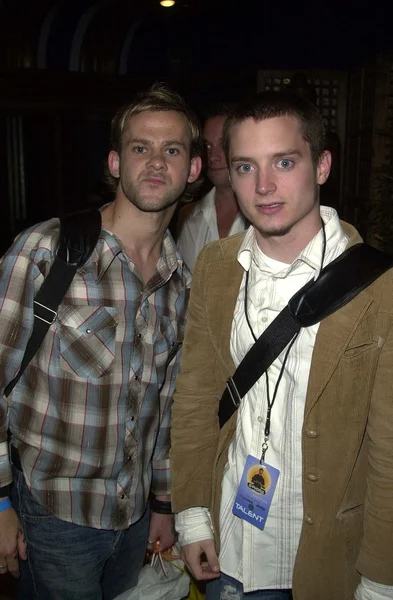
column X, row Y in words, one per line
column 282, row 230
column 150, row 205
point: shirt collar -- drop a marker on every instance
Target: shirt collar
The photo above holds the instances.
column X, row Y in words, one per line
column 206, row 204
column 109, row 247
column 311, row 255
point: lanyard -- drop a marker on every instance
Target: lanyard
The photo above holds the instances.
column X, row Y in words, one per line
column 271, row 401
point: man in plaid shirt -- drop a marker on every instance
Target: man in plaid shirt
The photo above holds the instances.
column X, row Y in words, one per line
column 89, row 419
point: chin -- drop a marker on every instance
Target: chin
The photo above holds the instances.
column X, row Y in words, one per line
column 219, row 181
column 274, row 229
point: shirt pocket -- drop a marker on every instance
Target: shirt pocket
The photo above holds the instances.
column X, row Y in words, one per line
column 87, row 340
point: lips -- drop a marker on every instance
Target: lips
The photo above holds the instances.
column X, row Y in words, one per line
column 269, row 209
column 155, row 180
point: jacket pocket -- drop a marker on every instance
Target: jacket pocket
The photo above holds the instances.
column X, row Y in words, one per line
column 87, row 340
column 360, row 348
column 352, row 523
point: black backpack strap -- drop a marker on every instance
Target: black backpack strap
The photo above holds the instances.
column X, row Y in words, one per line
column 257, row 360
column 339, row 282
column 78, row 237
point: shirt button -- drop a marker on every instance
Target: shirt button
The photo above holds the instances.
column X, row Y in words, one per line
column 310, row 433
column 312, row 477
column 139, row 336
column 260, row 419
column 122, row 497
column 309, row 520
column 129, row 458
column 133, row 418
column 264, row 319
column 88, row 330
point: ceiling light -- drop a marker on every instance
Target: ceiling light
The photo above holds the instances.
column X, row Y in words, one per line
column 167, row 3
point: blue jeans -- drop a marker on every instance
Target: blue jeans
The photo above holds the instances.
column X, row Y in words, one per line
column 71, row 562
column 227, row 588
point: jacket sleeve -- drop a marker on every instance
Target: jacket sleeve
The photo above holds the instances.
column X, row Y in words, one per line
column 161, row 479
column 195, row 428
column 374, row 561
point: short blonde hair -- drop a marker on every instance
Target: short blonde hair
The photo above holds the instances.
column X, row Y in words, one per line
column 158, row 98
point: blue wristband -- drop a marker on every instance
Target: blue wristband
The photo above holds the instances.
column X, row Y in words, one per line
column 4, row 504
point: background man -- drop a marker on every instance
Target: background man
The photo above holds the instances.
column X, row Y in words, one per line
column 89, row 419
column 217, row 214
column 330, row 527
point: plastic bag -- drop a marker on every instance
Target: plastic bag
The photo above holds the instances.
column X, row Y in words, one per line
column 163, row 579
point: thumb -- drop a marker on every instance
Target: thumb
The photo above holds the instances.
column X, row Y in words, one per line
column 22, row 546
column 211, row 557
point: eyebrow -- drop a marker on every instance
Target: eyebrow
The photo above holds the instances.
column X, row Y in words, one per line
column 289, row 152
column 175, row 143
column 149, row 142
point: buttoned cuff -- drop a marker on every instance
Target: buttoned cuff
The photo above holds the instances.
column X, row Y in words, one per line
column 371, row 590
column 161, row 479
column 194, row 525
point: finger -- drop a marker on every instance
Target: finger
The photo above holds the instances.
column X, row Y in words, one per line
column 3, row 566
column 212, row 558
column 195, row 566
column 167, row 541
column 13, row 566
column 22, row 546
column 207, row 572
column 150, row 546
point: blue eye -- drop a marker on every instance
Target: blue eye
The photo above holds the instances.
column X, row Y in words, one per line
column 244, row 168
column 285, row 163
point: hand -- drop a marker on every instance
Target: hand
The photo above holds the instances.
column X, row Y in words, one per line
column 12, row 542
column 162, row 529
column 208, row 569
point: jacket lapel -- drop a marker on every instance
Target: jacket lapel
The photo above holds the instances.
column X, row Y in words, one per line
column 333, row 336
column 222, row 285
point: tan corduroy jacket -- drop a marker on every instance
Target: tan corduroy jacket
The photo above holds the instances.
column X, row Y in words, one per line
column 347, row 436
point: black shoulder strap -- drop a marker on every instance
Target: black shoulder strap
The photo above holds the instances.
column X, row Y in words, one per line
column 79, row 234
column 337, row 284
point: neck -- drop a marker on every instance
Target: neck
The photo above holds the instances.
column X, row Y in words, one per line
column 285, row 248
column 141, row 233
column 225, row 200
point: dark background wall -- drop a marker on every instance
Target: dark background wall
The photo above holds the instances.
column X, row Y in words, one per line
column 66, row 65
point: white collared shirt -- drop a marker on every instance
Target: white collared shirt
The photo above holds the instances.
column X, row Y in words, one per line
column 270, row 286
column 200, row 228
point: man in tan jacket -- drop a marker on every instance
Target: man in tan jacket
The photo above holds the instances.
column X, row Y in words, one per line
column 327, row 457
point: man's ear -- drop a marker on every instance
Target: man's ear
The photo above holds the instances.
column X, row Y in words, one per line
column 114, row 164
column 324, row 166
column 195, row 169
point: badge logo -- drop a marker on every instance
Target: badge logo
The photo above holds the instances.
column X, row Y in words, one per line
column 258, row 479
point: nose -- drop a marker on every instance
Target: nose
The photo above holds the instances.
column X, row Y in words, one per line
column 265, row 183
column 157, row 161
column 215, row 155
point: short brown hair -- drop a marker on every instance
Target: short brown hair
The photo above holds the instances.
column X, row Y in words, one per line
column 158, row 98
column 269, row 104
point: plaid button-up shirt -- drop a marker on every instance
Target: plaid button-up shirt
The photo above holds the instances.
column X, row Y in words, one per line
column 91, row 414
